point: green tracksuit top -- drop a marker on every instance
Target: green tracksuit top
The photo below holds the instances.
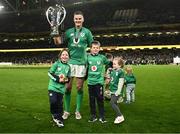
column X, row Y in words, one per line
column 57, row 69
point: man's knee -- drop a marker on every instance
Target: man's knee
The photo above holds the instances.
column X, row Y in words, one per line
column 69, row 86
column 79, row 85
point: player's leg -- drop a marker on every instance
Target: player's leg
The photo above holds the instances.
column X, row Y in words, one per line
column 114, row 105
column 60, row 108
column 100, row 101
column 80, row 72
column 119, row 116
column 79, row 97
column 133, row 93
column 128, row 94
column 55, row 108
column 92, row 103
column 67, row 99
column 68, row 94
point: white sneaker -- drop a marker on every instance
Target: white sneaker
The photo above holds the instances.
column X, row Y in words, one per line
column 78, row 115
column 119, row 119
column 65, row 115
column 58, row 122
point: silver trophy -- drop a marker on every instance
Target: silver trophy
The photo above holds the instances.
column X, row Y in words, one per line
column 55, row 16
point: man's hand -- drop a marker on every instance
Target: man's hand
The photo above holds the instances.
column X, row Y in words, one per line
column 57, row 40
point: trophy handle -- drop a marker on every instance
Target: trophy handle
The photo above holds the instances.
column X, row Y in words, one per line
column 47, row 14
column 64, row 11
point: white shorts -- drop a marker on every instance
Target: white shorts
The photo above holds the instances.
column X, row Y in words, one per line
column 78, row 70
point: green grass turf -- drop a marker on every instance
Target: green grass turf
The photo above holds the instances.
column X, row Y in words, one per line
column 24, row 103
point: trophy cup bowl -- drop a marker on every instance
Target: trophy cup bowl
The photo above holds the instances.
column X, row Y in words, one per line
column 55, row 17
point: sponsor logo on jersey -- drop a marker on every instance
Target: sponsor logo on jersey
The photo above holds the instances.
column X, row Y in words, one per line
column 93, row 68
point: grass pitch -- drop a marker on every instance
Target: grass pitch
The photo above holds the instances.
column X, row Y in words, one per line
column 24, row 103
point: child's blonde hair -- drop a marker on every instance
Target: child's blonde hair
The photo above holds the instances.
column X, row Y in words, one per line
column 129, row 69
column 120, row 61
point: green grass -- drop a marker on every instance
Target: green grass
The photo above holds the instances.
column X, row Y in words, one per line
column 24, row 103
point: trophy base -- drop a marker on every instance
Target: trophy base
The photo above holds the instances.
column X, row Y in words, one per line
column 54, row 31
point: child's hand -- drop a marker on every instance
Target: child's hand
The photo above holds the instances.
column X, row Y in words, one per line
column 61, row 78
column 117, row 93
column 107, row 81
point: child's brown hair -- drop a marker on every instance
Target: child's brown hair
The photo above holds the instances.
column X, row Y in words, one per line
column 59, row 55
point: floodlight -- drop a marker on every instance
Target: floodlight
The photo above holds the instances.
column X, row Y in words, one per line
column 1, row 7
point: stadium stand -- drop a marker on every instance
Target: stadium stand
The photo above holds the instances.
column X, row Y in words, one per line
column 114, row 23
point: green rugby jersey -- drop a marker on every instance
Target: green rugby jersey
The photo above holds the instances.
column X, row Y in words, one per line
column 130, row 79
column 115, row 75
column 96, row 68
column 77, row 48
column 58, row 68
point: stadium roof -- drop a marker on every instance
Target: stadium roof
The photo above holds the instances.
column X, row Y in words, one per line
column 15, row 6
column 12, row 6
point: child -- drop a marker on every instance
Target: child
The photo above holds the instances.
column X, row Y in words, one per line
column 59, row 74
column 96, row 62
column 116, row 85
column 130, row 81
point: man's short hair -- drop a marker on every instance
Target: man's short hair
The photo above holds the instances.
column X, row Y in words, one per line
column 78, row 13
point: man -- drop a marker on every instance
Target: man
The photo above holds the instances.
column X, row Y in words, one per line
column 78, row 39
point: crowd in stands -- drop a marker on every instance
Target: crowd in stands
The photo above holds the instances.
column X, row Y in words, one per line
column 27, row 44
column 29, row 57
column 136, row 57
column 143, row 57
column 144, row 39
column 130, row 40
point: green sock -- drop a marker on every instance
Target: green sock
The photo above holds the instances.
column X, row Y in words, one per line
column 79, row 100
column 67, row 101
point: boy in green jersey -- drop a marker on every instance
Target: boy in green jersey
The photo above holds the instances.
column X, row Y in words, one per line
column 130, row 82
column 116, row 85
column 95, row 73
column 59, row 74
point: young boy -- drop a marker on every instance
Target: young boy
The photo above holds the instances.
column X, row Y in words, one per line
column 130, row 82
column 59, row 74
column 96, row 62
column 116, row 85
